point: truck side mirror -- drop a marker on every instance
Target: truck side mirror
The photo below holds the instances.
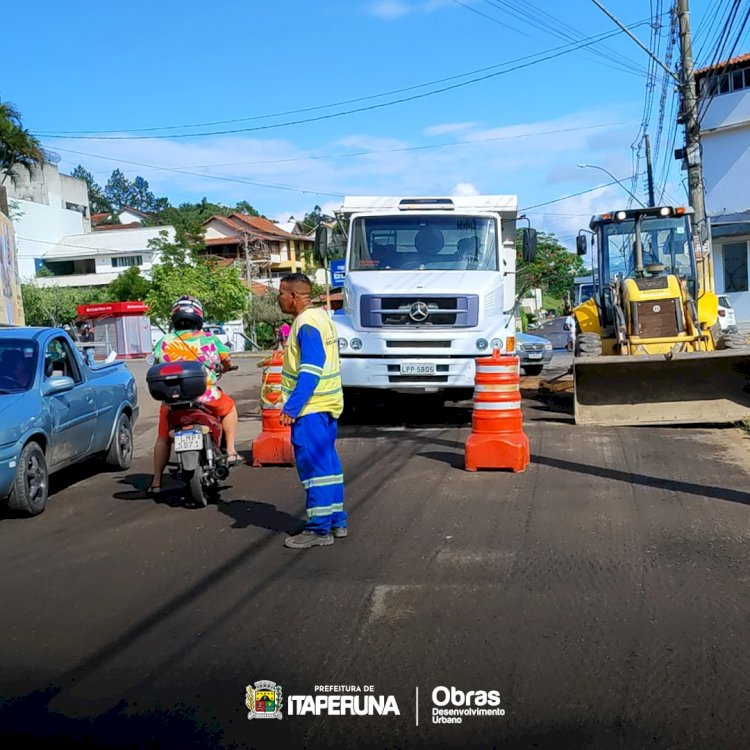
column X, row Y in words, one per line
column 581, row 244
column 320, row 250
column 529, row 244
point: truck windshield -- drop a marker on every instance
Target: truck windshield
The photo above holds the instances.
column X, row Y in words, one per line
column 429, row 243
column 665, row 241
column 17, row 365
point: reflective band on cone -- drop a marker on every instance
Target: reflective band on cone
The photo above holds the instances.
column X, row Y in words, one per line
column 274, row 444
column 497, row 439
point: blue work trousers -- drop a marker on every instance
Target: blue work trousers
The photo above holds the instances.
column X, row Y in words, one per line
column 319, row 469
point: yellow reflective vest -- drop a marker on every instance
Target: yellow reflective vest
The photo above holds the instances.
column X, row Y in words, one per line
column 328, row 395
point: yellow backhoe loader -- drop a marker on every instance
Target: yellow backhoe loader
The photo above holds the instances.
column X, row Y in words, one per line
column 650, row 348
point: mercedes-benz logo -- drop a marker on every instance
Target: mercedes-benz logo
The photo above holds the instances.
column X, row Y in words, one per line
column 419, row 312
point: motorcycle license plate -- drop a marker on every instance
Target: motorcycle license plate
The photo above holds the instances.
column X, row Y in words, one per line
column 535, row 356
column 417, row 368
column 188, row 440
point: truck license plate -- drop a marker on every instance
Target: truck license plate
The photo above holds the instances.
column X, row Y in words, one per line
column 537, row 355
column 417, row 368
column 189, row 440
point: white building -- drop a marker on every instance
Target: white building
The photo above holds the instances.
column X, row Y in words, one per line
column 44, row 206
column 724, row 111
column 97, row 258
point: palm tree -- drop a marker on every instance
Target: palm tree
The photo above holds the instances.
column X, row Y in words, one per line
column 17, row 145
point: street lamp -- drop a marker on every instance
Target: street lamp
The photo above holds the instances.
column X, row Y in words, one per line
column 606, row 171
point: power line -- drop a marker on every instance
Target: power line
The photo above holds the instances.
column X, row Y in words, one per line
column 317, row 157
column 572, row 195
column 548, row 55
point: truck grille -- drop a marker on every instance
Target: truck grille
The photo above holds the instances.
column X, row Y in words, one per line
column 658, row 319
column 410, row 310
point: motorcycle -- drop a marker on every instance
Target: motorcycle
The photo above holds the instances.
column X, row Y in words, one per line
column 196, row 434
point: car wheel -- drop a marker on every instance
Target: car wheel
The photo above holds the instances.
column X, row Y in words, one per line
column 120, row 452
column 31, row 483
column 533, row 369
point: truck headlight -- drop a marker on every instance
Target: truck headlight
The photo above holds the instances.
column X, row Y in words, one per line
column 481, row 344
column 356, row 343
column 496, row 343
column 343, row 344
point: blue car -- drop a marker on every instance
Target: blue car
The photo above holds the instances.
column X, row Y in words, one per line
column 534, row 352
column 55, row 410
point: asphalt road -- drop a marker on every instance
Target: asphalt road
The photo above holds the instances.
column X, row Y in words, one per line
column 604, row 593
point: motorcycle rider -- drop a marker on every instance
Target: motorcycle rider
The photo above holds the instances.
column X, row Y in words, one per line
column 189, row 342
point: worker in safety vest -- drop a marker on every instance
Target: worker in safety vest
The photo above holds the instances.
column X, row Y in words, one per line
column 313, row 402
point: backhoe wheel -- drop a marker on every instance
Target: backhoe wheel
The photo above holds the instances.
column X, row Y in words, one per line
column 31, row 483
column 732, row 341
column 194, row 490
column 588, row 345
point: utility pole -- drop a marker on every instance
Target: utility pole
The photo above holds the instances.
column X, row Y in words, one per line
column 249, row 277
column 689, row 115
column 649, row 173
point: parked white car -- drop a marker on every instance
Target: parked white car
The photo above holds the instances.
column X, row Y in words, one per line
column 727, row 317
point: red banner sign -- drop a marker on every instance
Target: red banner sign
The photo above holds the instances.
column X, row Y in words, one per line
column 113, row 308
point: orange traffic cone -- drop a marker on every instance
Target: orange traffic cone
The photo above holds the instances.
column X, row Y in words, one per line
column 274, row 444
column 497, row 439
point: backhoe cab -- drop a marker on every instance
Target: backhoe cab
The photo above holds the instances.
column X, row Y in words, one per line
column 650, row 348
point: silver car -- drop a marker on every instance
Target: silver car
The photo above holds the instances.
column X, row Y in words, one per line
column 534, row 352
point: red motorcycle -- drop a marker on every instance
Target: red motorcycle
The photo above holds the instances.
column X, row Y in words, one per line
column 196, row 434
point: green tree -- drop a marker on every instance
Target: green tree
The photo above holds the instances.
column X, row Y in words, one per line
column 119, row 190
column 55, row 306
column 97, row 200
column 17, row 145
column 144, row 200
column 129, row 285
column 182, row 270
column 311, row 220
column 553, row 269
column 188, row 218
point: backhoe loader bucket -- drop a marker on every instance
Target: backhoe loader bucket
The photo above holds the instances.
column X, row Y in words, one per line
column 689, row 388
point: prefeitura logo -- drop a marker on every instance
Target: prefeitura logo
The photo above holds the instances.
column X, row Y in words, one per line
column 264, row 700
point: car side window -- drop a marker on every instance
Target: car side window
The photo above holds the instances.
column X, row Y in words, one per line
column 60, row 360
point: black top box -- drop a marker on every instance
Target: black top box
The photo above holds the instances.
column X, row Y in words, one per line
column 176, row 381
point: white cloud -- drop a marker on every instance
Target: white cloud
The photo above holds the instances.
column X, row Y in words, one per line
column 455, row 127
column 464, row 188
column 389, row 9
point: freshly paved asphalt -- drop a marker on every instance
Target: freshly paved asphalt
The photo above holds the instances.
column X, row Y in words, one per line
column 604, row 592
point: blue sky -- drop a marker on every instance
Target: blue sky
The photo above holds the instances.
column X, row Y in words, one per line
column 237, row 66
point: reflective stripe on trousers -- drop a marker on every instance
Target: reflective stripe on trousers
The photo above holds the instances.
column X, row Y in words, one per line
column 319, row 469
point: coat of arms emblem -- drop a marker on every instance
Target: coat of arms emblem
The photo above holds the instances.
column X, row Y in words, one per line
column 264, row 699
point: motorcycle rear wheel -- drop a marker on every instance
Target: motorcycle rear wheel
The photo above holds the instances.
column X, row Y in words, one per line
column 194, row 487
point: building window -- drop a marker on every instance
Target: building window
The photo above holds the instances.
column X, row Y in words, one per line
column 725, row 83
column 128, row 260
column 76, row 207
column 735, row 267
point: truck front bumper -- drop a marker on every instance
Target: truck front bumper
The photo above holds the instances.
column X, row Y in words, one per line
column 386, row 373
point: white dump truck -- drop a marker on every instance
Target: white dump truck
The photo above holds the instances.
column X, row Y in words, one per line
column 429, row 286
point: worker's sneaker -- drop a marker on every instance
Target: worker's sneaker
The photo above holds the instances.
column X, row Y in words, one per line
column 339, row 532
column 306, row 539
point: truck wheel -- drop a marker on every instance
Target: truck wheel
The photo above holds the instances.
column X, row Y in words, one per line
column 120, row 452
column 194, row 489
column 31, row 483
column 732, row 341
column 588, row 345
column 532, row 369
